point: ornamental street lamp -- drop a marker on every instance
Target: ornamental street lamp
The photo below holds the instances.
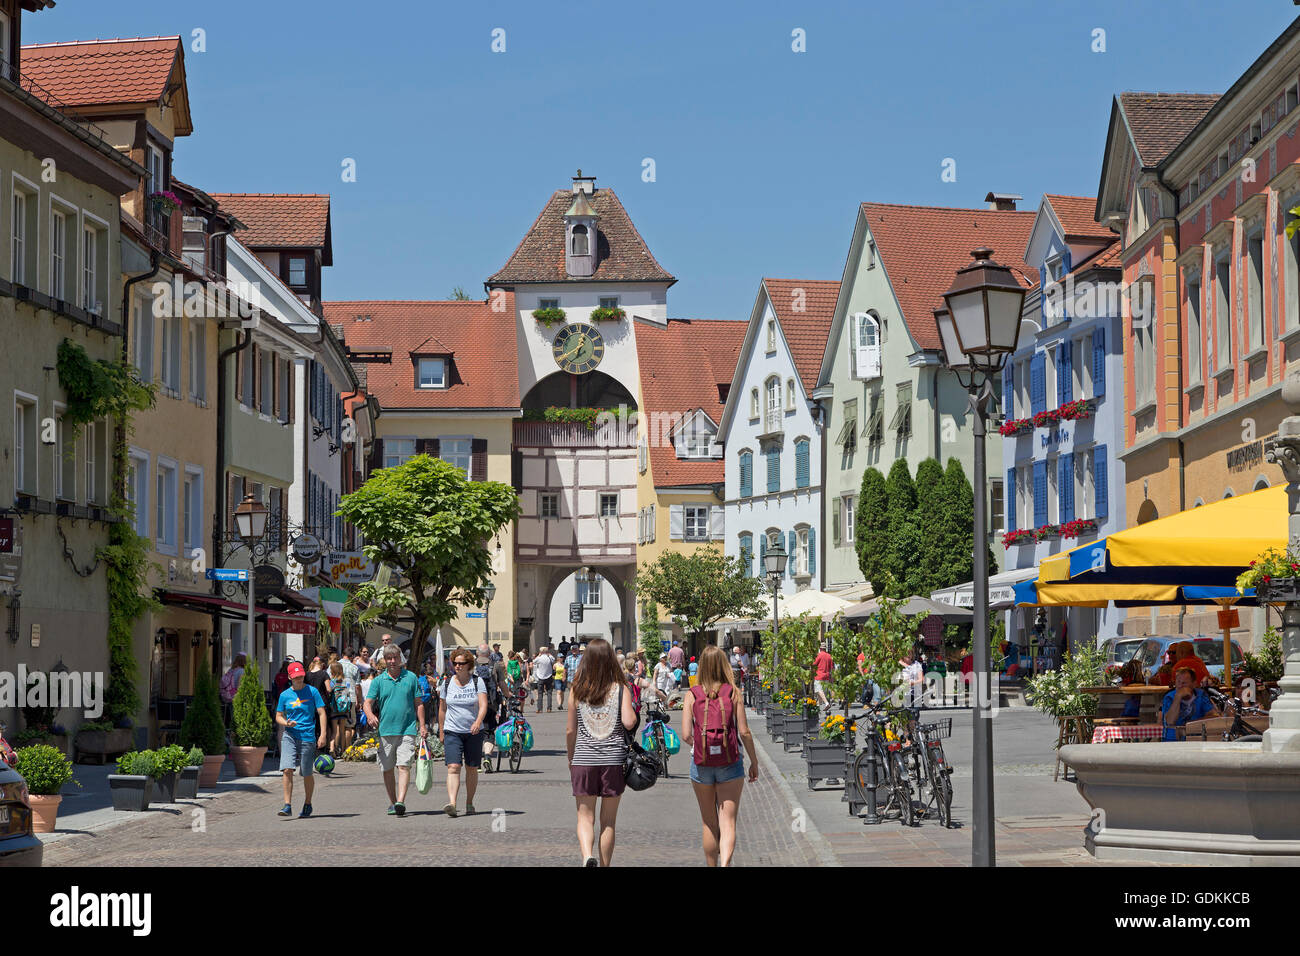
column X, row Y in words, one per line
column 489, row 592
column 250, row 522
column 979, row 328
column 774, row 564
column 582, row 576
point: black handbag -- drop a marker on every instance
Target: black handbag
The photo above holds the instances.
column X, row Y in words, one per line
column 640, row 770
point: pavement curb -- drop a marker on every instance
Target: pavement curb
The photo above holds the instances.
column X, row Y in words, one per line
column 825, row 855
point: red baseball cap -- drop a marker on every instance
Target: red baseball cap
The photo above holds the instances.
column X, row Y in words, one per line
column 296, row 670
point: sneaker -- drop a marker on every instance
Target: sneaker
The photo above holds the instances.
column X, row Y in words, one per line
column 392, row 810
column 591, row 861
column 450, row 809
column 286, row 810
column 469, row 809
column 306, row 811
column 399, row 809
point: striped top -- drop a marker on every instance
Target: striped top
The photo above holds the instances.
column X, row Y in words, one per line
column 601, row 741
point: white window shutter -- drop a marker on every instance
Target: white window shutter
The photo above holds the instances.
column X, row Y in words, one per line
column 853, row 345
column 835, row 521
column 716, row 524
column 872, row 360
column 676, row 522
column 654, row 522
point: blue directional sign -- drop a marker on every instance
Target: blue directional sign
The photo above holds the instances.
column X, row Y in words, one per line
column 473, row 613
column 227, row 574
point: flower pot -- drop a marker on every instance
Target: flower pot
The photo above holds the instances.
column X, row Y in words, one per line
column 792, row 731
column 247, row 760
column 187, row 783
column 45, row 809
column 102, row 743
column 165, row 787
column 1278, row 590
column 130, row 791
column 211, row 770
column 824, row 759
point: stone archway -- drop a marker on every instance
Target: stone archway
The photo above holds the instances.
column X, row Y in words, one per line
column 619, row 577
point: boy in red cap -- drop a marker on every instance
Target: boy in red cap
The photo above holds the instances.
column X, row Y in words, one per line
column 301, row 712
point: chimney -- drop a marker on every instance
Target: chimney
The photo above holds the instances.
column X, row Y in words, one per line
column 1002, row 201
column 584, row 184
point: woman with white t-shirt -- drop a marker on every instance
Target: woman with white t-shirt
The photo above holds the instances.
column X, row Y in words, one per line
column 460, row 727
column 663, row 678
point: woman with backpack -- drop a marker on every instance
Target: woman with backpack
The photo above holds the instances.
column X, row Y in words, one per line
column 714, row 726
column 600, row 714
column 341, row 708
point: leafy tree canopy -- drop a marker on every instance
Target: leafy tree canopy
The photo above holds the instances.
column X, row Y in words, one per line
column 702, row 587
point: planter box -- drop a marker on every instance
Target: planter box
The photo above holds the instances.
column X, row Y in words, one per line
column 165, row 788
column 187, row 784
column 796, row 727
column 824, row 759
column 770, row 716
column 130, row 791
column 102, row 743
column 1278, row 590
column 211, row 770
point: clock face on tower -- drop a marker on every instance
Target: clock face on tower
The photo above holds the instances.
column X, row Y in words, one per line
column 578, row 348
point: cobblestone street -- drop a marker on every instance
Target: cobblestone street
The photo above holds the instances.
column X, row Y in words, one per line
column 528, row 818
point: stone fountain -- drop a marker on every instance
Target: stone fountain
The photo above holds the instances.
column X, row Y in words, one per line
column 1210, row 802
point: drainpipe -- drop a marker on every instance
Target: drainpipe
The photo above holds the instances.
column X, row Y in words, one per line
column 824, row 417
column 934, row 405
column 1182, row 481
column 221, row 517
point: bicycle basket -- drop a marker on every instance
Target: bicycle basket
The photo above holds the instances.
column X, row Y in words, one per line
column 937, row 730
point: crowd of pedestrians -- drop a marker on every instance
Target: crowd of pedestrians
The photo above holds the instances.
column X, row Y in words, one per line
column 337, row 698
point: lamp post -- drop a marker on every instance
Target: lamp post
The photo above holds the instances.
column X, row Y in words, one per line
column 250, row 522
column 582, row 576
column 774, row 563
column 979, row 329
column 489, row 592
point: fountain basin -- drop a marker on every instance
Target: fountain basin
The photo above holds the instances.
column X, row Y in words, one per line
column 1190, row 802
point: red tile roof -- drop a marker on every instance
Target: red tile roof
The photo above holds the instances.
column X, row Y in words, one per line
column 484, row 370
column 103, row 72
column 1108, row 258
column 805, row 309
column 1158, row 122
column 280, row 220
column 922, row 247
column 682, row 365
column 622, row 254
column 1076, row 217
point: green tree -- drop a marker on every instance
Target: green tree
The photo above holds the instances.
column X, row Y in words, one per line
column 886, row 637
column 427, row 521
column 930, row 567
column 954, row 537
column 252, row 721
column 847, row 679
column 458, row 294
column 651, row 641
column 903, row 537
column 871, row 528
column 701, row 588
column 797, row 644
column 202, row 726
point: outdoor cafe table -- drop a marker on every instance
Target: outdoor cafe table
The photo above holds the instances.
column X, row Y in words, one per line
column 1117, row 733
column 1150, row 697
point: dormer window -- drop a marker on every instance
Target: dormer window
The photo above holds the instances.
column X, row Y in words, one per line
column 696, row 438
column 297, row 271
column 580, row 240
column 1056, row 268
column 431, row 373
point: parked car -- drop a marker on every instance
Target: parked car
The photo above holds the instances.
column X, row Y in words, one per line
column 1120, row 650
column 19, row 846
column 1151, row 654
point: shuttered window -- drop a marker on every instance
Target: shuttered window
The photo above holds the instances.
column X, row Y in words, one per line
column 1099, row 362
column 1065, row 486
column 1099, row 481
column 746, row 474
column 773, row 469
column 1040, row 493
column 1064, row 376
column 802, row 468
column 1038, row 384
column 747, row 553
column 1011, row 498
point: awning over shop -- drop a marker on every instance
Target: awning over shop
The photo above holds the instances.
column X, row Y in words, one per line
column 1071, row 594
column 912, row 607
column 1002, row 593
column 275, row 619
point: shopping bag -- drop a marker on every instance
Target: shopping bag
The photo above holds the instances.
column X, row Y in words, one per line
column 423, row 769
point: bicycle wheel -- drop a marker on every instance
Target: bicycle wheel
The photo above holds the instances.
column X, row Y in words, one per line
column 902, row 787
column 516, row 753
column 661, row 749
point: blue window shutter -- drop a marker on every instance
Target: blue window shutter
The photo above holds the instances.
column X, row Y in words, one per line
column 1009, row 493
column 801, row 476
column 793, row 542
column 812, row 551
column 747, row 553
column 1099, row 480
column 762, row 555
column 1065, row 485
column 746, row 474
column 1038, row 384
column 1058, row 357
column 1040, row 493
column 1008, row 390
column 1042, row 299
column 774, row 469
column 1067, row 376
column 1099, row 361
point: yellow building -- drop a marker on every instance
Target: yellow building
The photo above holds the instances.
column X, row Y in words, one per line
column 686, row 369
column 448, row 388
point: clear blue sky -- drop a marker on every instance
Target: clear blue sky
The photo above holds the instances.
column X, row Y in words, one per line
column 761, row 153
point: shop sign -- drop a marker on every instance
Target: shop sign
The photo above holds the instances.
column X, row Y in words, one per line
column 269, row 578
column 1247, row 457
column 306, row 548
column 11, row 549
column 350, row 567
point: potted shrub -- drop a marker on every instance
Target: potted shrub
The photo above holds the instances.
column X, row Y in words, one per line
column 168, row 763
column 132, row 785
column 1275, row 576
column 187, row 784
column 823, row 752
column 45, row 769
column 251, row 725
column 100, row 738
column 606, row 314
column 203, row 728
column 548, row 317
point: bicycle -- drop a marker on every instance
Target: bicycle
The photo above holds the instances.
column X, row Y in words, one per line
column 515, row 752
column 938, row 771
column 1239, row 730
column 890, row 770
column 656, row 720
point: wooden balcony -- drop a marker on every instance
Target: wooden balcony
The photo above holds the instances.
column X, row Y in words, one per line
column 572, row 435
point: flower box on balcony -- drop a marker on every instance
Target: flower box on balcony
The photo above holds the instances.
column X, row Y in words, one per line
column 1076, row 410
column 1048, row 531
column 1015, row 426
column 548, row 317
column 1047, row 419
column 1019, row 536
column 1078, row 528
column 165, row 201
column 605, row 314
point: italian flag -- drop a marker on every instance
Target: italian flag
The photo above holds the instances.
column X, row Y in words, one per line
column 331, row 601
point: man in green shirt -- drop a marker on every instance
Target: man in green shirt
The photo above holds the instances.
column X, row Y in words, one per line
column 401, row 713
